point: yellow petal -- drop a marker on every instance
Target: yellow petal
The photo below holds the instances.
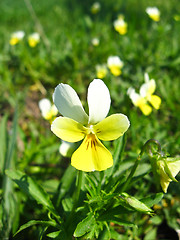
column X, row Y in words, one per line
column 68, row 129
column 146, row 109
column 155, row 101
column 111, row 127
column 91, row 155
column 116, row 71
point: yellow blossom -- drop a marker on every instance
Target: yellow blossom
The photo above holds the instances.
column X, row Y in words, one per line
column 145, row 95
column 48, row 110
column 95, row 8
column 153, row 13
column 101, row 71
column 33, row 39
column 95, row 42
column 115, row 65
column 167, row 170
column 120, row 25
column 76, row 125
column 16, row 37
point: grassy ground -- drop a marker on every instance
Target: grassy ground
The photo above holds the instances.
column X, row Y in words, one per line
column 66, row 54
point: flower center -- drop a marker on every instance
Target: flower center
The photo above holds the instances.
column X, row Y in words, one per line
column 90, row 129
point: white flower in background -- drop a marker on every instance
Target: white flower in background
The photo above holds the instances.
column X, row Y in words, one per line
column 95, row 42
column 120, row 25
column 76, row 125
column 16, row 37
column 33, row 39
column 115, row 65
column 65, row 149
column 95, row 8
column 48, row 110
column 153, row 13
column 101, row 71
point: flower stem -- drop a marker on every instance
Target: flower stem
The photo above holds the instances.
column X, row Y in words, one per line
column 147, row 147
column 78, row 188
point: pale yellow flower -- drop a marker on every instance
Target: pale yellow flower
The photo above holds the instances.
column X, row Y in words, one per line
column 76, row 125
column 16, row 37
column 48, row 110
column 33, row 39
column 95, row 42
column 95, row 8
column 120, row 25
column 167, row 170
column 115, row 65
column 101, row 71
column 66, row 148
column 145, row 95
column 153, row 13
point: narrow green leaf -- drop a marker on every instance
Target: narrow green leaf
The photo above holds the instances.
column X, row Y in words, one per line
column 85, row 226
column 122, row 222
column 54, row 234
column 8, row 197
column 3, row 142
column 152, row 199
column 35, row 222
column 30, row 187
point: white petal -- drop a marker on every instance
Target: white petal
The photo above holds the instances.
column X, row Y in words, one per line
column 98, row 100
column 148, row 88
column 69, row 104
column 45, row 106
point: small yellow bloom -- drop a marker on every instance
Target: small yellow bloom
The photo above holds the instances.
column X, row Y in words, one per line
column 153, row 13
column 95, row 42
column 145, row 95
column 95, row 8
column 115, row 65
column 120, row 25
column 33, row 39
column 76, row 125
column 139, row 101
column 16, row 37
column 167, row 170
column 101, row 71
column 48, row 110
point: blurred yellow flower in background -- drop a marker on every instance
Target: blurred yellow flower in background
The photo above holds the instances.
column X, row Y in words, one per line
column 145, row 95
column 16, row 37
column 76, row 125
column 101, row 71
column 115, row 65
column 48, row 110
column 95, row 8
column 153, row 13
column 66, row 148
column 95, row 42
column 33, row 39
column 120, row 25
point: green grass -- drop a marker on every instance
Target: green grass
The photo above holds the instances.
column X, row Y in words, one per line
column 68, row 56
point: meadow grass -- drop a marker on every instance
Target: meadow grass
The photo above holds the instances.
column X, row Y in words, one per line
column 66, row 54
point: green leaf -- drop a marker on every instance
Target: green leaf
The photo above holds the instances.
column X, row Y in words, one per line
column 152, row 199
column 8, row 198
column 35, row 222
column 85, row 226
column 121, row 222
column 3, row 142
column 54, row 234
column 31, row 188
column 66, row 183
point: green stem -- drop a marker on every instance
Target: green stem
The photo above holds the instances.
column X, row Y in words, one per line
column 78, row 188
column 146, row 147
